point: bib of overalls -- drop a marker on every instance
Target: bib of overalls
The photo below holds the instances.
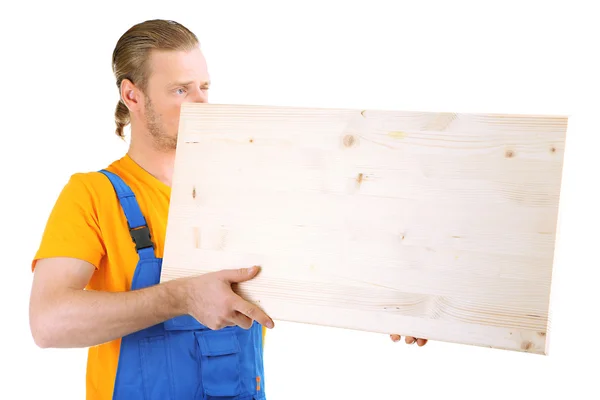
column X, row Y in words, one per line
column 181, row 359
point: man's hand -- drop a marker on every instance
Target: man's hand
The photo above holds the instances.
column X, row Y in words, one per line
column 409, row 340
column 210, row 299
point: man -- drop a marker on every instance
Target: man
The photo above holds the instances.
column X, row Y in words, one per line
column 97, row 270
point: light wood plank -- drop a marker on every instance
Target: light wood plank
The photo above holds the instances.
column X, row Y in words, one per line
column 434, row 225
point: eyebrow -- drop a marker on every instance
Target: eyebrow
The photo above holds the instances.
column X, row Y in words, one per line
column 205, row 83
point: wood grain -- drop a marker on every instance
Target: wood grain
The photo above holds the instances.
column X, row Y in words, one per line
column 435, row 225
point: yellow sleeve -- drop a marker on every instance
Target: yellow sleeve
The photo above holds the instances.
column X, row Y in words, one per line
column 72, row 229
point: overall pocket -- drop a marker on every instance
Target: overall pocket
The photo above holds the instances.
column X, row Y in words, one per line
column 219, row 362
column 155, row 363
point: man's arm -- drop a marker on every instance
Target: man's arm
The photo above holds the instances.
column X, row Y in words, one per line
column 63, row 314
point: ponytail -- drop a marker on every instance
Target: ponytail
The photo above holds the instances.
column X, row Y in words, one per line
column 121, row 118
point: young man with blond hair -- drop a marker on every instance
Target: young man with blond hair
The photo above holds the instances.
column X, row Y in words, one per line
column 97, row 270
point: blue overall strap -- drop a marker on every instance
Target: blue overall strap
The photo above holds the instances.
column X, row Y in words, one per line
column 138, row 228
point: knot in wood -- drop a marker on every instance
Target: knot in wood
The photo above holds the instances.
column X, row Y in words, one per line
column 349, row 140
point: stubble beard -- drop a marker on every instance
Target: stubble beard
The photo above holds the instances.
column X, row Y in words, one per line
column 161, row 139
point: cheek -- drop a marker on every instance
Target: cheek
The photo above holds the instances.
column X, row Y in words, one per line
column 170, row 113
column 173, row 117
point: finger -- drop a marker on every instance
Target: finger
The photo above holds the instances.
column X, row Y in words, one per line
column 395, row 338
column 221, row 323
column 241, row 320
column 421, row 342
column 409, row 340
column 253, row 312
column 239, row 275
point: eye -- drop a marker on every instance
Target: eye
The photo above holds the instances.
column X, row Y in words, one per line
column 180, row 91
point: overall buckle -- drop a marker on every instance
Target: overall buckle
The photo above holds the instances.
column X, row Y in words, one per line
column 141, row 237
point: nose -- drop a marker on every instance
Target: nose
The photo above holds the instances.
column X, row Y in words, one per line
column 201, row 96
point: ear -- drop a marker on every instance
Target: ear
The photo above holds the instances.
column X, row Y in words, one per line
column 131, row 95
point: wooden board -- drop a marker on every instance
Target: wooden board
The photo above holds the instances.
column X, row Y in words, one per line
column 435, row 225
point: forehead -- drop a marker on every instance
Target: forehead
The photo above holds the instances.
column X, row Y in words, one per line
column 176, row 65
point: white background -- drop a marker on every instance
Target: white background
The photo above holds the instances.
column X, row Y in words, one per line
column 58, row 97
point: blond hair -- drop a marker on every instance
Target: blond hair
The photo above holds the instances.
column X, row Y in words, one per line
column 132, row 52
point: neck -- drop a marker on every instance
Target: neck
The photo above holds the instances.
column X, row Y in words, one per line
column 157, row 162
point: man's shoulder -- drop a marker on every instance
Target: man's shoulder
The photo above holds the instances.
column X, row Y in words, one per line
column 91, row 182
column 87, row 178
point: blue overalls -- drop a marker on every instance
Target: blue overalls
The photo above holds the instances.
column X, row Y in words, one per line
column 182, row 359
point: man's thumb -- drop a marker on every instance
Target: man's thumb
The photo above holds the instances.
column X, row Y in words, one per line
column 241, row 274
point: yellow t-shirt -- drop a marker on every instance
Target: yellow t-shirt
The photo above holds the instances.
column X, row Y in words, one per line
column 87, row 222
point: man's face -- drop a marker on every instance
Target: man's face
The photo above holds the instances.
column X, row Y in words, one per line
column 175, row 77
